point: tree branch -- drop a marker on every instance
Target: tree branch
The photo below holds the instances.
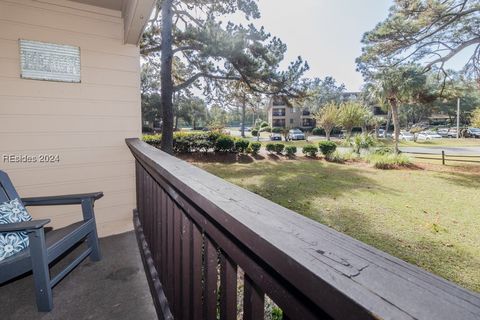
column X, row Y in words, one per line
column 197, row 76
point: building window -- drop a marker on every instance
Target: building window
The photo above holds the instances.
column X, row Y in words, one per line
column 278, row 123
column 291, row 121
column 278, row 112
column 305, row 112
column 308, row 123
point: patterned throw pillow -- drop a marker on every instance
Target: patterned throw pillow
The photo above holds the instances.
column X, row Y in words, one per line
column 12, row 242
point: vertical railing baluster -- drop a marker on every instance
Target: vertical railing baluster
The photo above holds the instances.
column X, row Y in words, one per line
column 253, row 301
column 211, row 278
column 228, row 288
column 186, row 258
column 164, row 238
column 177, row 266
column 197, row 276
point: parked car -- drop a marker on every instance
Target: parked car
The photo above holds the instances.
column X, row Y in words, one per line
column 452, row 133
column 406, row 136
column 472, row 133
column 276, row 137
column 382, row 133
column 428, row 135
column 296, row 134
column 248, row 129
column 443, row 132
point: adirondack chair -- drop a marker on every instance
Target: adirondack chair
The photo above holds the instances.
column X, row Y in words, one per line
column 46, row 247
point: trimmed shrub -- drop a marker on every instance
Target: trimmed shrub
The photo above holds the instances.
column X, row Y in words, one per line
column 255, row 147
column 388, row 161
column 270, row 147
column 310, row 150
column 241, row 145
column 277, row 130
column 224, row 144
column 318, row 132
column 152, row 139
column 279, row 148
column 254, row 132
column 362, row 141
column 327, row 148
column 266, row 129
column 290, row 151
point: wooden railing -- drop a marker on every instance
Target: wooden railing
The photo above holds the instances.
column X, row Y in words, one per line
column 213, row 250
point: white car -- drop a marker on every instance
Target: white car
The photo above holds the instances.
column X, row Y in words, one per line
column 406, row 136
column 428, row 135
column 296, row 134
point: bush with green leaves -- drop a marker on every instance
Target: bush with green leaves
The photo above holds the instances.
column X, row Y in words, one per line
column 255, row 147
column 263, row 124
column 152, row 139
column 290, row 151
column 279, row 148
column 388, row 161
column 361, row 141
column 318, row 132
column 270, row 147
column 327, row 148
column 310, row 150
column 277, row 130
column 241, row 145
column 384, row 151
column 266, row 129
column 254, row 132
column 224, row 144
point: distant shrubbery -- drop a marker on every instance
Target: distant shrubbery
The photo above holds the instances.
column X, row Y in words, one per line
column 255, row 147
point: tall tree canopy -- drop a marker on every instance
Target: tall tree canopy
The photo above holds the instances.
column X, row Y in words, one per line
column 321, row 92
column 428, row 31
column 213, row 51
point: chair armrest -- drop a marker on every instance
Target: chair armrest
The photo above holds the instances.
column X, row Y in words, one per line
column 23, row 226
column 61, row 200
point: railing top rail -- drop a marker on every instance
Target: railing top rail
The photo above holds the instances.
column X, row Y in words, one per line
column 346, row 278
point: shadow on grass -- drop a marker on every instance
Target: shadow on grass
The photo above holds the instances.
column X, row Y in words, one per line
column 222, row 157
column 462, row 179
column 448, row 261
column 294, row 184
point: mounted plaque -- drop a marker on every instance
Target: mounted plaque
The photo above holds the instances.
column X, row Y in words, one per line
column 47, row 61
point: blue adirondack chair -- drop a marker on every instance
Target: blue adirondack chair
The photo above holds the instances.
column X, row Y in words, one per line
column 45, row 247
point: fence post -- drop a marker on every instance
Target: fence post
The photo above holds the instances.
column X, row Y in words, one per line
column 443, row 157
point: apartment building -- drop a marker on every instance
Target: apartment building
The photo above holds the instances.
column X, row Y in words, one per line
column 280, row 113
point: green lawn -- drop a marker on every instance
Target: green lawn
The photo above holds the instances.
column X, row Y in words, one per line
column 426, row 217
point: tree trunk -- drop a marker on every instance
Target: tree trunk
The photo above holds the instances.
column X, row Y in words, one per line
column 166, row 77
column 396, row 123
column 242, row 129
column 327, row 134
column 176, row 123
column 389, row 116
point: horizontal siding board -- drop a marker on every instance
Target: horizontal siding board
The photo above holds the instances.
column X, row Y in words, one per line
column 76, row 91
column 58, row 20
column 65, row 124
column 14, row 31
column 57, row 141
column 25, row 106
column 114, row 77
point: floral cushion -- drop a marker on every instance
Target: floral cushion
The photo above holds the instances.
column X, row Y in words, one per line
column 12, row 242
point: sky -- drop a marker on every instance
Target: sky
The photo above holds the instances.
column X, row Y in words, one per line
column 326, row 33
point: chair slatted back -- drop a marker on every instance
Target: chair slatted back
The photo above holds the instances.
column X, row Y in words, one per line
column 7, row 191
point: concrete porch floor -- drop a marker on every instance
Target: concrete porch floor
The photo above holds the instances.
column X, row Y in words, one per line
column 113, row 288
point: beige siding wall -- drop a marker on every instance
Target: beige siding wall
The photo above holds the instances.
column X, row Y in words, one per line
column 85, row 124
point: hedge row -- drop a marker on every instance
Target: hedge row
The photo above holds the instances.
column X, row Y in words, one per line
column 188, row 142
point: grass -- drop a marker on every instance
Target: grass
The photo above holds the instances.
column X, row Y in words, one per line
column 426, row 217
column 440, row 143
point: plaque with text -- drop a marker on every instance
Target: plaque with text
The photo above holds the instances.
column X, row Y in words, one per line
column 48, row 61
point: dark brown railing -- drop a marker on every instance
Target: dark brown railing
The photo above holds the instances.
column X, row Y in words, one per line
column 206, row 243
